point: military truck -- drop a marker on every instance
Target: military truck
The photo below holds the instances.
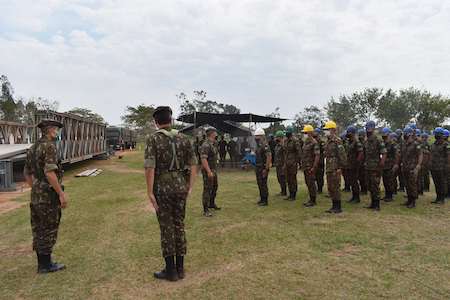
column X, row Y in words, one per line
column 119, row 138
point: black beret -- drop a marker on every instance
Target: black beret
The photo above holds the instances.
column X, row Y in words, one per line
column 49, row 123
column 161, row 109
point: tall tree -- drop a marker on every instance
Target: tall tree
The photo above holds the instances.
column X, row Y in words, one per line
column 8, row 106
column 341, row 111
column 139, row 117
column 395, row 110
column 274, row 127
column 199, row 102
column 87, row 114
column 311, row 115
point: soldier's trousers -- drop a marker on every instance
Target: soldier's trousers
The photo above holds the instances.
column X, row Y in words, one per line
column 389, row 181
column 281, row 176
column 345, row 174
column 373, row 184
column 411, row 184
column 291, row 176
column 440, row 183
column 262, row 183
column 448, row 182
column 320, row 173
column 45, row 219
column 353, row 175
column 210, row 187
column 425, row 177
column 334, row 186
column 310, row 180
column 401, row 179
column 362, row 179
column 171, row 213
column 222, row 157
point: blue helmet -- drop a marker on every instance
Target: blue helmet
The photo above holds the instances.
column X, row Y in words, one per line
column 318, row 130
column 399, row 132
column 438, row 130
column 385, row 132
column 370, row 125
column 343, row 135
column 446, row 133
column 425, row 135
column 361, row 132
column 412, row 125
column 418, row 132
column 393, row 135
column 408, row 130
column 351, row 129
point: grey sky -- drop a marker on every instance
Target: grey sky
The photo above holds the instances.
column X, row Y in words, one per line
column 257, row 55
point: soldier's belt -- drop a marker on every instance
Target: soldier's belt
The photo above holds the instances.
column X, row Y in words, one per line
column 170, row 175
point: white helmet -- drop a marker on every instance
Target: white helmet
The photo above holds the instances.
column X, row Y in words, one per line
column 260, row 132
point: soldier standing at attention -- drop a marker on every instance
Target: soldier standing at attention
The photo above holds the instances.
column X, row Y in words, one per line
column 272, row 145
column 335, row 159
column 375, row 157
column 391, row 165
column 446, row 136
column 167, row 156
column 345, row 170
column 293, row 155
column 425, row 170
column 310, row 163
column 411, row 163
column 222, row 150
column 263, row 165
column 400, row 142
column 355, row 156
column 321, row 168
column 362, row 176
column 280, row 161
column 440, row 158
column 43, row 173
column 209, row 156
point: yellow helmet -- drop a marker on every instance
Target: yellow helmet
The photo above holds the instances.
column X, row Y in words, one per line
column 330, row 125
column 307, row 128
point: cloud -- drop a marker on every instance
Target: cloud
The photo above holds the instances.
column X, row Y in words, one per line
column 257, row 55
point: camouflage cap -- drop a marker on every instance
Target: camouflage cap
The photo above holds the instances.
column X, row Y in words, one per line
column 210, row 129
column 49, row 123
column 161, row 109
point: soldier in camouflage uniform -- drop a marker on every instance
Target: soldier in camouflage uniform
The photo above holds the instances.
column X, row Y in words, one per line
column 43, row 172
column 321, row 167
column 170, row 169
column 335, row 159
column 263, row 165
column 391, row 164
column 279, row 161
column 310, row 163
column 447, row 170
column 355, row 156
column 362, row 168
column 440, row 158
column 375, row 156
column 345, row 170
column 424, row 176
column 400, row 143
column 411, row 163
column 209, row 157
column 293, row 155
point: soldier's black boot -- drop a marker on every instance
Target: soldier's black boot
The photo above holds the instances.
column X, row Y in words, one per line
column 264, row 202
column 310, row 203
column 206, row 212
column 338, row 208
column 388, row 197
column 412, row 204
column 294, row 196
column 332, row 209
column 213, row 205
column 377, row 205
column 170, row 272
column 45, row 264
column 408, row 202
column 180, row 266
column 372, row 204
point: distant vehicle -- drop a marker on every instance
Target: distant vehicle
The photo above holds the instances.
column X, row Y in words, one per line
column 119, row 138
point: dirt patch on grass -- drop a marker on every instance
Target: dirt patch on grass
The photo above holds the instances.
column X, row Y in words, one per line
column 347, row 250
column 7, row 202
column 17, row 250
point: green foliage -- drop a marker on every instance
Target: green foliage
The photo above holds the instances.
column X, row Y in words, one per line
column 274, row 127
column 311, row 115
column 341, row 111
column 87, row 114
column 200, row 103
column 139, row 117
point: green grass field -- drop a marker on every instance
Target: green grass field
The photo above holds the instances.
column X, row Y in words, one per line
column 109, row 240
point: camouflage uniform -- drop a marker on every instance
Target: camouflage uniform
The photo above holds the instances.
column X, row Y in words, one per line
column 310, row 151
column 232, row 151
column 346, row 169
column 374, row 148
column 362, row 176
column 279, row 163
column 389, row 177
column 262, row 152
column 45, row 207
column 410, row 158
column 170, row 154
column 401, row 178
column 424, row 176
column 321, row 168
column 222, row 151
column 209, row 152
column 439, row 159
column 354, row 149
column 293, row 154
column 335, row 158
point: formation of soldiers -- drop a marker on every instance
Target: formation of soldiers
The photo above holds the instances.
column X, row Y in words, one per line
column 402, row 159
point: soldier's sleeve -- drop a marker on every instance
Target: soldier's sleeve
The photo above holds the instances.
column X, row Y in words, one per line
column 268, row 151
column 204, row 151
column 342, row 159
column 316, row 148
column 50, row 159
column 150, row 153
column 191, row 158
column 28, row 168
